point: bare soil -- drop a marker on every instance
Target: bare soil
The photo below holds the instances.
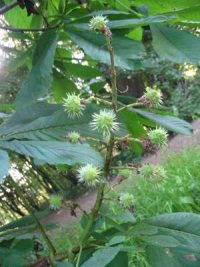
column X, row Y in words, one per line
column 63, row 217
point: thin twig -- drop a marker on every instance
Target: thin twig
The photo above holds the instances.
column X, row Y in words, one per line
column 7, row 7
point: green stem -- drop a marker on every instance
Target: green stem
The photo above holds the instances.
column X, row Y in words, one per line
column 129, row 106
column 100, row 195
column 113, row 73
column 102, row 100
column 37, row 221
column 94, row 214
column 79, row 256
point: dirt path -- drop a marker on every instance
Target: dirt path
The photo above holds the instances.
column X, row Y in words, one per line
column 63, row 217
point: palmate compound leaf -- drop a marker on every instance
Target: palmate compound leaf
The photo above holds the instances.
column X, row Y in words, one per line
column 55, row 152
column 38, row 82
column 4, row 164
column 185, row 229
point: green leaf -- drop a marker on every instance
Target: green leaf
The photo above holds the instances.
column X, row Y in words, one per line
column 170, row 123
column 45, row 122
column 38, row 82
column 15, row 255
column 175, row 45
column 160, row 7
column 132, row 122
column 55, row 152
column 189, row 16
column 102, row 257
column 125, row 217
column 62, row 86
column 116, row 240
column 179, row 221
column 127, row 23
column 95, row 47
column 185, row 228
column 4, row 163
column 176, row 257
column 105, row 12
column 10, row 258
column 17, row 17
column 82, row 71
column 24, row 221
column 121, row 260
column 24, row 246
column 161, row 241
column 143, row 230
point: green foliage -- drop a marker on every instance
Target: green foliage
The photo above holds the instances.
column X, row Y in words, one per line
column 22, row 223
column 182, row 246
column 170, row 6
column 39, row 80
column 94, row 46
column 14, row 253
column 178, row 192
column 102, row 257
column 175, row 45
column 187, row 102
column 170, row 123
column 18, row 17
column 38, row 127
column 55, row 152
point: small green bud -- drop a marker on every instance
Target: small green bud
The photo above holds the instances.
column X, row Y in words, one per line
column 154, row 96
column 98, row 23
column 73, row 137
column 104, row 122
column 158, row 137
column 126, row 200
column 89, row 174
column 73, row 106
column 153, row 173
column 55, row 202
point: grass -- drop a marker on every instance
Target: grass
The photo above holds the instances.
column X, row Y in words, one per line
column 180, row 191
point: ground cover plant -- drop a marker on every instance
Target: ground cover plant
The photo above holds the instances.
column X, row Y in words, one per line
column 62, row 120
column 179, row 191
